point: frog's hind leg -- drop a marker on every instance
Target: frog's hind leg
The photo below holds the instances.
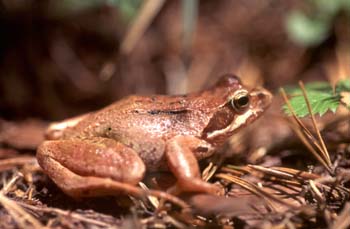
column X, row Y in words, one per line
column 95, row 167
column 79, row 186
column 87, row 167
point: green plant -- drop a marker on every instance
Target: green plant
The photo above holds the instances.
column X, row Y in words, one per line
column 127, row 8
column 322, row 96
column 312, row 27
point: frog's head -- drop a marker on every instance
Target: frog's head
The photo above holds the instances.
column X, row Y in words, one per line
column 236, row 107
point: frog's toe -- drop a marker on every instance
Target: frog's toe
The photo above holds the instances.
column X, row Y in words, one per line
column 219, row 190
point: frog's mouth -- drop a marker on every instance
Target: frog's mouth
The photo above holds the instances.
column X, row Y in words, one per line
column 260, row 101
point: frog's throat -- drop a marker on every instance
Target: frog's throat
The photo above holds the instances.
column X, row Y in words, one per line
column 240, row 121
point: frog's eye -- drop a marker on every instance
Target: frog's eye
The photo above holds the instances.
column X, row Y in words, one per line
column 240, row 100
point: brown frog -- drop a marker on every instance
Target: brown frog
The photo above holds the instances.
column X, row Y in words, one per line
column 109, row 151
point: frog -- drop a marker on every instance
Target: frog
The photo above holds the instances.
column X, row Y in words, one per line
column 108, row 152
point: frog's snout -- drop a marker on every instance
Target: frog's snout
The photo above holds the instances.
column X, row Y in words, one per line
column 262, row 97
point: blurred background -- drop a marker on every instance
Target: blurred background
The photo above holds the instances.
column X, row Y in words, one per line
column 60, row 58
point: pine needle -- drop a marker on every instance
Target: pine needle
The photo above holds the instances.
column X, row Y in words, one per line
column 301, row 134
column 19, row 215
column 148, row 11
column 324, row 150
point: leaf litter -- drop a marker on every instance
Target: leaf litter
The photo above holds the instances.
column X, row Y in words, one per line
column 255, row 196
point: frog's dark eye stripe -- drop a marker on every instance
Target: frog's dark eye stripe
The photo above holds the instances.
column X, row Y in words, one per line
column 240, row 100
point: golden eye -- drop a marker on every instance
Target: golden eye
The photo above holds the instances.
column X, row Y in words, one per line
column 240, row 100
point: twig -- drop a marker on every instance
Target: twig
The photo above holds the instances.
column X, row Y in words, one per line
column 64, row 213
column 209, row 171
column 255, row 190
column 149, row 10
column 11, row 183
column 311, row 149
column 316, row 191
column 154, row 201
column 324, row 151
column 15, row 161
column 271, row 171
column 343, row 220
column 301, row 134
column 18, row 214
column 21, row 217
column 297, row 173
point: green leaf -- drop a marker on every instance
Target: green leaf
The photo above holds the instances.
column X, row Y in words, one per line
column 306, row 31
column 326, row 7
column 128, row 8
column 343, row 85
column 346, row 5
column 321, row 86
column 71, row 6
column 321, row 95
column 320, row 103
column 343, row 88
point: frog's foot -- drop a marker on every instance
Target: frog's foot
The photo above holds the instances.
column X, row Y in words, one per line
column 177, row 190
column 183, row 164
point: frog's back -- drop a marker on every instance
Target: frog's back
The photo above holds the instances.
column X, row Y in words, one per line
column 154, row 117
column 142, row 123
column 158, row 117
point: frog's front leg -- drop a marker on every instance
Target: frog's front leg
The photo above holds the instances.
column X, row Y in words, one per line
column 182, row 153
column 92, row 167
